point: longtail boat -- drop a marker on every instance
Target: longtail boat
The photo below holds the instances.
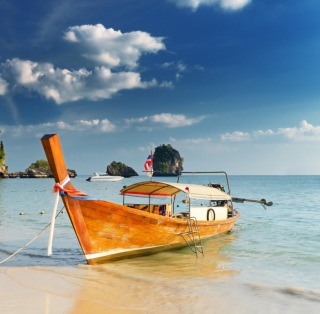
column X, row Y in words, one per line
column 108, row 231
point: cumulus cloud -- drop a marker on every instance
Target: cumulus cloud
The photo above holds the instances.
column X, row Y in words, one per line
column 62, row 85
column 225, row 4
column 115, row 56
column 306, row 132
column 113, row 48
column 164, row 119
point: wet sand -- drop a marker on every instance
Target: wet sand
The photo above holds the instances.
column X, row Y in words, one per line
column 132, row 288
column 52, row 290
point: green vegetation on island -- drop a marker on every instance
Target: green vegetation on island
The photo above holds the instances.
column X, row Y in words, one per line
column 40, row 164
column 2, row 154
column 2, row 157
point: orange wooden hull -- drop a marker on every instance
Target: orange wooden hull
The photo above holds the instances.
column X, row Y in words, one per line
column 108, row 231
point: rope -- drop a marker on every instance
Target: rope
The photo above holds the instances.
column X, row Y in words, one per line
column 255, row 221
column 16, row 252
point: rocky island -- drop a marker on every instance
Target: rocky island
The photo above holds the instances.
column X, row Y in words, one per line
column 38, row 169
column 120, row 169
column 166, row 161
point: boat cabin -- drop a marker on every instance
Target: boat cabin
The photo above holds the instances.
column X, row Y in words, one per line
column 180, row 200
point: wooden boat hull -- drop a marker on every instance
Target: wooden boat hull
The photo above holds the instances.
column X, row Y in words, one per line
column 107, row 231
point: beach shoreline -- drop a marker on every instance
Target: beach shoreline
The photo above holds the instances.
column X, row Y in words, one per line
column 51, row 290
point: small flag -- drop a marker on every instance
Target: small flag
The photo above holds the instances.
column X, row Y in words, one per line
column 148, row 165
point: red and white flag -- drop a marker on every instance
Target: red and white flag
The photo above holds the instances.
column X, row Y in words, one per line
column 148, row 165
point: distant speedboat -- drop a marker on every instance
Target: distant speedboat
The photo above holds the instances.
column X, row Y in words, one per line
column 104, row 177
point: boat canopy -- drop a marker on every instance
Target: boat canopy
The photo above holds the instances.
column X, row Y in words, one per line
column 169, row 189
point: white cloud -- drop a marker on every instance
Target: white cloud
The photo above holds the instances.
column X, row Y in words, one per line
column 178, row 76
column 178, row 66
column 166, row 84
column 113, row 48
column 192, row 141
column 181, row 66
column 102, row 126
column 165, row 119
column 167, row 65
column 107, row 126
column 306, row 132
column 62, row 85
column 95, row 126
column 174, row 120
column 234, row 4
column 115, row 54
column 235, row 137
column 261, row 133
column 3, row 86
column 225, row 4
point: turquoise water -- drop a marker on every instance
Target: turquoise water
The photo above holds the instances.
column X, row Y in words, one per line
column 268, row 264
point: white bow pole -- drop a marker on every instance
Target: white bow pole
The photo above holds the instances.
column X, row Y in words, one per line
column 53, row 218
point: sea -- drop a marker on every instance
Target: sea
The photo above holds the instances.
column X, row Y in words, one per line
column 268, row 263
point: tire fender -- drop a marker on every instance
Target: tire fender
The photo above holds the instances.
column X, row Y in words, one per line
column 211, row 213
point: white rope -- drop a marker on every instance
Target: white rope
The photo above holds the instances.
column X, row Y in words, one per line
column 16, row 252
column 55, row 206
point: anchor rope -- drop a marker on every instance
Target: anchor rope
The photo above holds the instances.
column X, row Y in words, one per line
column 16, row 252
column 255, row 221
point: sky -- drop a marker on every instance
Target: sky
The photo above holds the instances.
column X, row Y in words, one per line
column 233, row 85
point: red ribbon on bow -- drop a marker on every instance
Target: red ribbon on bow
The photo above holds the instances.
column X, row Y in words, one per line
column 58, row 187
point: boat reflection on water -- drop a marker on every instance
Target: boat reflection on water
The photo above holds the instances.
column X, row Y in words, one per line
column 183, row 263
column 156, row 283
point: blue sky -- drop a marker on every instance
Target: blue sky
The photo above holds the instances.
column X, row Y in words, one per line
column 233, row 85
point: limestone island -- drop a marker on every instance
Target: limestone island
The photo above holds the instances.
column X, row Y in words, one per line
column 120, row 169
column 39, row 169
column 167, row 161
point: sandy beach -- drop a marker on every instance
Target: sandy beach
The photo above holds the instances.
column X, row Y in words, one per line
column 51, row 290
column 129, row 290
